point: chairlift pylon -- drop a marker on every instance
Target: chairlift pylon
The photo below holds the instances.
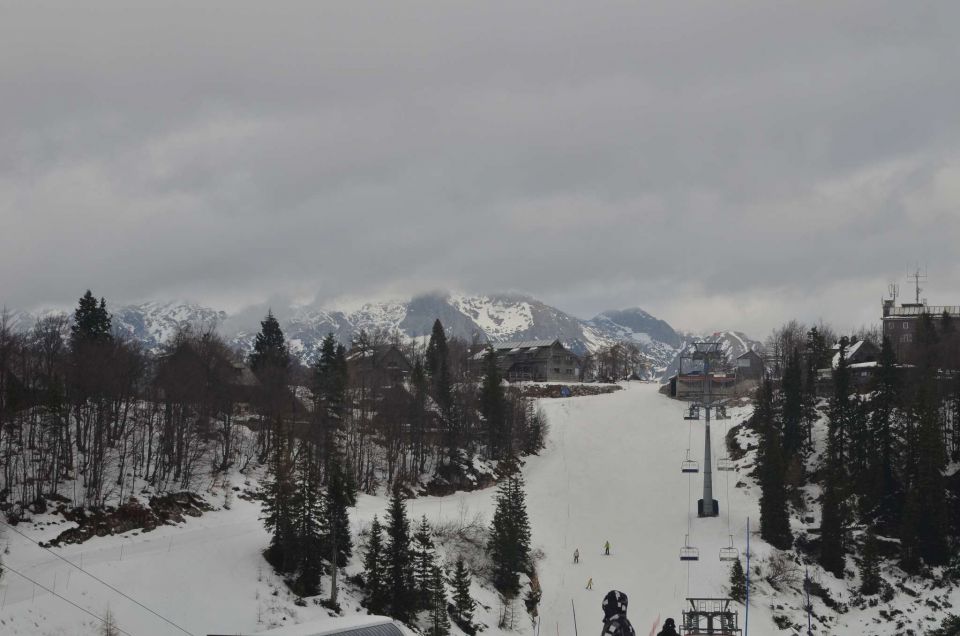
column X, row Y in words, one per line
column 689, row 465
column 688, row 552
column 729, row 553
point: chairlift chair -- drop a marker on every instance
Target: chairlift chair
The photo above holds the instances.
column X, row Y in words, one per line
column 721, row 413
column 693, row 413
column 729, row 553
column 726, row 464
column 688, row 552
column 689, row 465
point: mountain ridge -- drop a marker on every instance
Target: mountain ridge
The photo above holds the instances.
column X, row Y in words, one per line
column 478, row 317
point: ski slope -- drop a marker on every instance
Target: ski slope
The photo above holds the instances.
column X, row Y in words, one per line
column 611, row 471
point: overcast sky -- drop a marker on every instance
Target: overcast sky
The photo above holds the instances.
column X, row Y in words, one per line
column 721, row 164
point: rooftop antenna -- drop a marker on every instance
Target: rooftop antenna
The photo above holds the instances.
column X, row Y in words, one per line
column 918, row 278
column 894, row 291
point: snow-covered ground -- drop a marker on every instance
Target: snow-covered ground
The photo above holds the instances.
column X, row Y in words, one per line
column 611, row 471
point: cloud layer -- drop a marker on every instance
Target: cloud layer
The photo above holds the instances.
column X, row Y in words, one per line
column 728, row 164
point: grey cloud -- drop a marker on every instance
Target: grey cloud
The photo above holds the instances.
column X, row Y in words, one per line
column 761, row 156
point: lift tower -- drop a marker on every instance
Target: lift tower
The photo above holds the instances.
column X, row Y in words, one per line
column 707, row 352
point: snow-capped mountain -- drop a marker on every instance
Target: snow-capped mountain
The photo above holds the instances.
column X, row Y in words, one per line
column 481, row 318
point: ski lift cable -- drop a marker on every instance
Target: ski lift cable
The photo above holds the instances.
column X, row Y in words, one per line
column 97, row 579
column 7, row 568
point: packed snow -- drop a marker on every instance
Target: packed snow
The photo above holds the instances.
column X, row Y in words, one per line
column 610, row 472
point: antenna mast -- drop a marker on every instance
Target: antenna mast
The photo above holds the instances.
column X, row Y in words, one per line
column 918, row 278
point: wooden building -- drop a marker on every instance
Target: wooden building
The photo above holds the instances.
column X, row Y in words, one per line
column 382, row 365
column 534, row 360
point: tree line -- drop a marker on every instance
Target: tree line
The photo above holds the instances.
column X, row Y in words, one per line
column 880, row 461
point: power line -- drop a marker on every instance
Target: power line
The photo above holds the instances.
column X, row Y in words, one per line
column 97, row 579
column 7, row 568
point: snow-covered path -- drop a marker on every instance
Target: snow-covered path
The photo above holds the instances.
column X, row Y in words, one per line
column 612, row 472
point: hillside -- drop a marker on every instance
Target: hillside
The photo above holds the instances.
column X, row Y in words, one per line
column 578, row 497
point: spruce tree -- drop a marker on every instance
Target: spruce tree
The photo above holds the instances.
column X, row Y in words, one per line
column 439, row 621
column 463, row 603
column 932, row 522
column 494, row 409
column 375, row 571
column 310, row 523
column 883, row 488
column 399, row 560
column 774, row 514
column 509, row 543
column 438, row 367
column 792, row 387
column 833, row 500
column 278, row 506
column 270, row 348
column 870, row 566
column 338, row 499
column 738, row 582
column 91, row 322
column 423, row 563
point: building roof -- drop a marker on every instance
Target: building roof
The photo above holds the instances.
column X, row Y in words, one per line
column 524, row 344
column 906, row 311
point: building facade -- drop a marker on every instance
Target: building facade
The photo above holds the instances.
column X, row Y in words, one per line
column 535, row 360
column 900, row 325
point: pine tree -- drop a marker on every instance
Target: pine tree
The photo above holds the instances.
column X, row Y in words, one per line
column 91, row 322
column 424, row 563
column 278, row 506
column 463, row 603
column 399, row 560
column 270, row 348
column 833, row 500
column 337, row 501
column 883, row 488
column 792, row 388
column 438, row 367
column 509, row 543
column 738, row 582
column 439, row 622
column 774, row 514
column 929, row 483
column 310, row 523
column 375, row 570
column 870, row 566
column 494, row 410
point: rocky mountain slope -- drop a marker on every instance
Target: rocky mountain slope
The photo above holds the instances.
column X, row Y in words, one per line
column 482, row 318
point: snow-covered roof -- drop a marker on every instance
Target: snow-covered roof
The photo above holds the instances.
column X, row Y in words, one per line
column 523, row 344
column 851, row 350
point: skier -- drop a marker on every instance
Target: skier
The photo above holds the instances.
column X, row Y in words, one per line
column 590, row 583
column 606, row 548
column 576, row 556
column 615, row 622
column 669, row 628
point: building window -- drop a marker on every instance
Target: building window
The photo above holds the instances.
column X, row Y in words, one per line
column 556, row 369
column 907, row 337
column 906, row 325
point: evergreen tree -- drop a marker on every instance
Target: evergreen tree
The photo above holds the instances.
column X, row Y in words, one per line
column 330, row 378
column 278, row 506
column 774, row 514
column 932, row 522
column 909, row 538
column 882, row 486
column 738, row 582
column 375, row 571
column 841, row 408
column 463, row 603
column 91, row 322
column 493, row 407
column 337, row 521
column 423, row 563
column 270, row 348
column 949, row 627
column 833, row 522
column 792, row 388
column 439, row 622
column 418, row 415
column 509, row 543
column 814, row 353
column 399, row 560
column 438, row 367
column 310, row 523
column 870, row 566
